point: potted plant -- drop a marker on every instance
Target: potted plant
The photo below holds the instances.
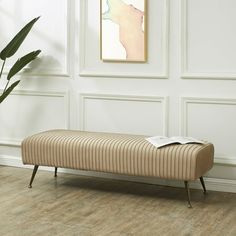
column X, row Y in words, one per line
column 9, row 51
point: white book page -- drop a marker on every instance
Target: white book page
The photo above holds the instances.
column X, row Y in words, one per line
column 160, row 141
column 184, row 140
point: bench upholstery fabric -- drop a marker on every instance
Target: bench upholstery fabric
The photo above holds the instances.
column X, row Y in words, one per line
column 116, row 153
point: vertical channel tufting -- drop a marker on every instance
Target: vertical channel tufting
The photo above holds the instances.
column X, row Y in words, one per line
column 185, row 159
column 179, row 162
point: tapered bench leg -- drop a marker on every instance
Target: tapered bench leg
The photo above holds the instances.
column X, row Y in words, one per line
column 33, row 175
column 203, row 184
column 55, row 173
column 188, row 193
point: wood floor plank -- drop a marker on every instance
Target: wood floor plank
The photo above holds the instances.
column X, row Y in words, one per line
column 84, row 206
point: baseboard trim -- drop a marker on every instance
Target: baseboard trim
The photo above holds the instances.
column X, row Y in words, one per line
column 214, row 184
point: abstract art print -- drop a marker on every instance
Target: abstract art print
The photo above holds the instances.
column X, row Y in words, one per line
column 123, row 30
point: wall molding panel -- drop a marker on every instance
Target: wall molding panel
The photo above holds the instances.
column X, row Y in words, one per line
column 46, row 71
column 126, row 99
column 15, row 142
column 185, row 72
column 85, row 71
column 216, row 104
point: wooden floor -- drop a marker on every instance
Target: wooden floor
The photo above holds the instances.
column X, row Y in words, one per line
column 74, row 205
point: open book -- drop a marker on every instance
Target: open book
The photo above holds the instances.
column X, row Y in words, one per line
column 160, row 141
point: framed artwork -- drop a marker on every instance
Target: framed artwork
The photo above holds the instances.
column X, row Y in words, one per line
column 123, row 30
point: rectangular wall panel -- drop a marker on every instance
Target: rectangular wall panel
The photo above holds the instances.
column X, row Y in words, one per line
column 24, row 113
column 212, row 120
column 124, row 114
column 208, row 39
column 157, row 44
column 48, row 34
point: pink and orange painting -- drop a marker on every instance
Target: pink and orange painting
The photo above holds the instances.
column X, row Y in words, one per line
column 123, row 30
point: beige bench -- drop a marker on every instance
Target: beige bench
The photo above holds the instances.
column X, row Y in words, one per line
column 117, row 153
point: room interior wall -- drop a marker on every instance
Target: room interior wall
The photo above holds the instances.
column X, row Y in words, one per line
column 186, row 87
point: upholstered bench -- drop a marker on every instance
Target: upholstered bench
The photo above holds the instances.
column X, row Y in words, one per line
column 117, row 153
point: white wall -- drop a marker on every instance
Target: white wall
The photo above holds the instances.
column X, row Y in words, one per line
column 187, row 87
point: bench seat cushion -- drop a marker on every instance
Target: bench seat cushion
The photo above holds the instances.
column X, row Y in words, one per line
column 117, row 153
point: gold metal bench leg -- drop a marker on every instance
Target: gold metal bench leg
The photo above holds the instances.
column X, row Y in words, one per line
column 203, row 184
column 33, row 175
column 55, row 173
column 188, row 193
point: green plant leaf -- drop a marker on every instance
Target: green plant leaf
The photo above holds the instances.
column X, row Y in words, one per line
column 8, row 91
column 22, row 62
column 15, row 43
